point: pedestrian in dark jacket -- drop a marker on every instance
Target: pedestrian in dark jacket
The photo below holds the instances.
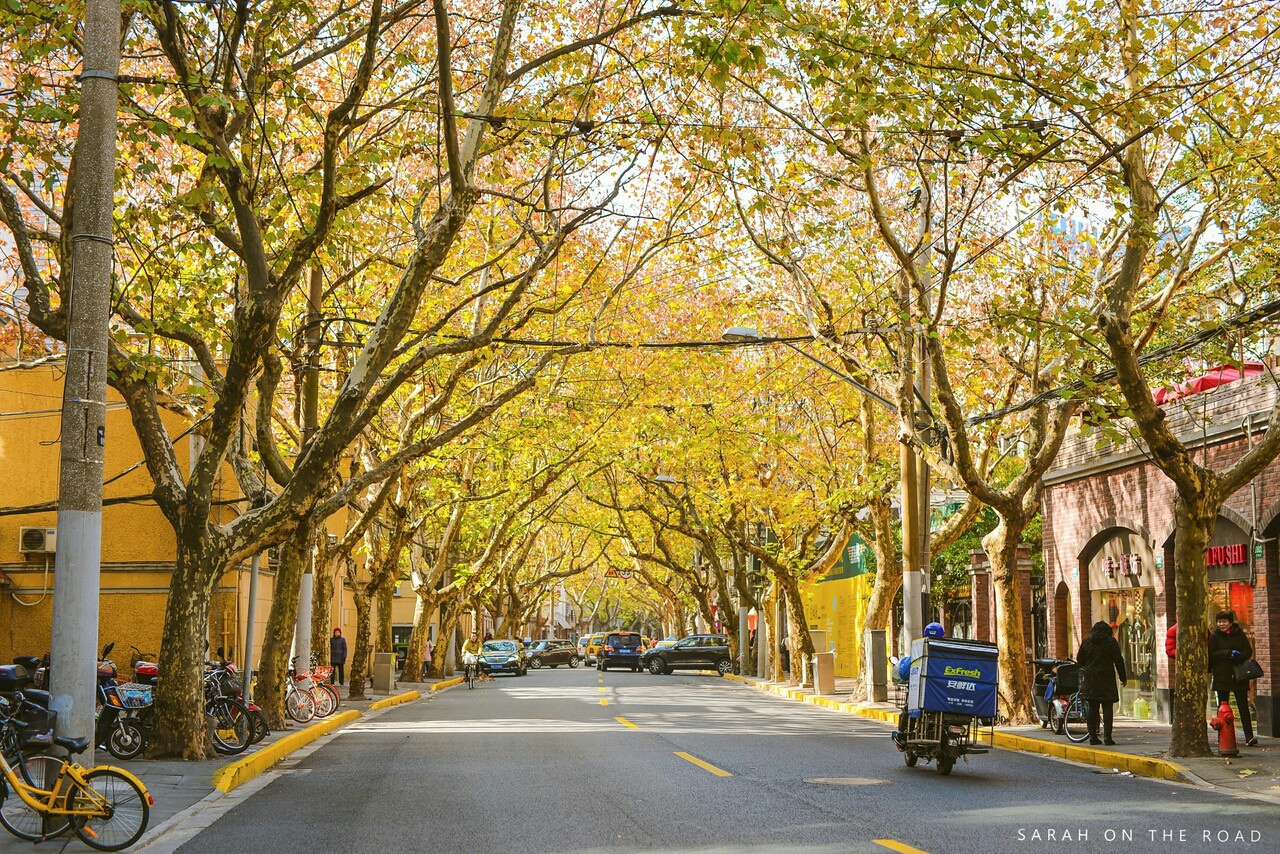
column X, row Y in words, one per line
column 1100, row 663
column 1229, row 646
column 338, row 655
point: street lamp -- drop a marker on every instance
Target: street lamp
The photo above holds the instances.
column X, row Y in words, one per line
column 914, row 485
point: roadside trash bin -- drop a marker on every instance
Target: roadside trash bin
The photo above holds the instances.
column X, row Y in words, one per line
column 384, row 671
column 824, row 672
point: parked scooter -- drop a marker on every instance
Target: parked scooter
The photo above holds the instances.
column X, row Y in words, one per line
column 28, row 705
column 1055, row 681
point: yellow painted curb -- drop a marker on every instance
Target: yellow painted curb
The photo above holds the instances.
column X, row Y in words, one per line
column 446, row 683
column 394, row 701
column 243, row 770
column 1144, row 766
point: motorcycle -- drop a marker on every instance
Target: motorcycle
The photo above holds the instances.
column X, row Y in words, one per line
column 118, row 726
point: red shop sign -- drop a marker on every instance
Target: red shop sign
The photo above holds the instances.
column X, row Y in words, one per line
column 1225, row 555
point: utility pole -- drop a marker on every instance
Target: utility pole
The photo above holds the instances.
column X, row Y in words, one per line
column 310, row 424
column 924, row 391
column 74, row 644
column 914, row 469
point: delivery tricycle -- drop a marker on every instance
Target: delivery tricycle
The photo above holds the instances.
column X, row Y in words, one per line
column 951, row 701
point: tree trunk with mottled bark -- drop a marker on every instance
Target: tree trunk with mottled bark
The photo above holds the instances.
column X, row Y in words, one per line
column 801, row 642
column 321, row 606
column 180, row 729
column 358, row 663
column 273, row 669
column 1015, row 690
column 888, row 567
column 1194, row 525
column 446, row 652
column 386, row 601
column 422, row 614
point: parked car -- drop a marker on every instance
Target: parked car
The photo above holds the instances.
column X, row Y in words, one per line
column 695, row 652
column 592, row 651
column 620, row 649
column 553, row 653
column 504, row 656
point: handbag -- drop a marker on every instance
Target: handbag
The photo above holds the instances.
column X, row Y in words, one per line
column 1247, row 671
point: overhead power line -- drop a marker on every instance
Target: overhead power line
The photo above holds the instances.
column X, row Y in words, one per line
column 1239, row 321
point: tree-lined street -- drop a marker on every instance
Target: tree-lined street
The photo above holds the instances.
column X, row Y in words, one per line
column 544, row 764
column 807, row 330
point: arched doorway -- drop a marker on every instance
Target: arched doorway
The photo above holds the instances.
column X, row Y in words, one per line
column 1121, row 571
column 1062, row 622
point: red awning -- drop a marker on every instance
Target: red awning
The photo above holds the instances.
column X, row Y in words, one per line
column 1213, row 378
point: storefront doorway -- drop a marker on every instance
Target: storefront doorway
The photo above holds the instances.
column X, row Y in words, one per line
column 1122, row 585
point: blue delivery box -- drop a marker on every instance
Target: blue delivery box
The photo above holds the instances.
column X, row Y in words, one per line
column 953, row 675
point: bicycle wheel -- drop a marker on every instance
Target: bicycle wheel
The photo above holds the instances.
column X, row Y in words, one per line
column 1077, row 719
column 23, row 821
column 259, row 730
column 231, row 727
column 120, row 821
column 471, row 676
column 333, row 693
column 324, row 702
column 300, row 706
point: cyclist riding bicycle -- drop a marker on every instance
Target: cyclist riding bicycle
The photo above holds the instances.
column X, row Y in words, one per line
column 471, row 651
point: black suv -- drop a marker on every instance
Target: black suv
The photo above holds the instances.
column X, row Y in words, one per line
column 696, row 652
column 620, row 649
column 553, row 652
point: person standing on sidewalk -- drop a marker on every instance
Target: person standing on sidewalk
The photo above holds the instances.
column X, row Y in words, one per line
column 1229, row 646
column 338, row 655
column 1100, row 663
column 426, row 658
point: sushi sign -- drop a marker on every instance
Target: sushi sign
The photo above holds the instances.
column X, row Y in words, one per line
column 1230, row 555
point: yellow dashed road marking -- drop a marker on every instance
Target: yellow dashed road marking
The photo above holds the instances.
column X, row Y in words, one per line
column 895, row 845
column 706, row 766
column 626, row 723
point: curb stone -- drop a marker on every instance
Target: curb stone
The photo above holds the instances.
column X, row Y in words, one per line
column 243, row 770
column 1143, row 766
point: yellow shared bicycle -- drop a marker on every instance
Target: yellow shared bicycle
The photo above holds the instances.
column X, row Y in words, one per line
column 42, row 797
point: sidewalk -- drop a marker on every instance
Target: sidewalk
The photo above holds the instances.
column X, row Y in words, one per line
column 177, row 786
column 1141, row 746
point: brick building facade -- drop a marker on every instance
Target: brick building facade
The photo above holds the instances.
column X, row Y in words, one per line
column 1108, row 544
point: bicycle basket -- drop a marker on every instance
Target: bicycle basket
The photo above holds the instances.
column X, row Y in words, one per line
column 134, row 695
column 322, row 672
column 1068, row 678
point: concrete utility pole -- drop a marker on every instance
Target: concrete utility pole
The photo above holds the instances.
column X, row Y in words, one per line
column 74, row 645
column 915, row 471
column 310, row 424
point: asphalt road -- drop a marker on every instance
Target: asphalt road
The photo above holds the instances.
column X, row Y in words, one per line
column 579, row 761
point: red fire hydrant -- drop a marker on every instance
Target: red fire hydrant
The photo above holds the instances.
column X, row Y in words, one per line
column 1225, row 723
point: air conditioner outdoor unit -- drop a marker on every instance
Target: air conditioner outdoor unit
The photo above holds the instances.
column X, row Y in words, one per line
column 38, row 541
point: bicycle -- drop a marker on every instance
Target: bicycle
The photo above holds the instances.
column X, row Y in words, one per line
column 469, row 667
column 107, row 808
column 1075, row 719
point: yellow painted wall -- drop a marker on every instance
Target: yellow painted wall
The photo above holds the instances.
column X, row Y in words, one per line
column 839, row 608
column 138, row 546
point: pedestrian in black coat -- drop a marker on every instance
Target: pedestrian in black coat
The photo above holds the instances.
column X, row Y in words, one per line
column 1229, row 646
column 338, row 655
column 1100, row 663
